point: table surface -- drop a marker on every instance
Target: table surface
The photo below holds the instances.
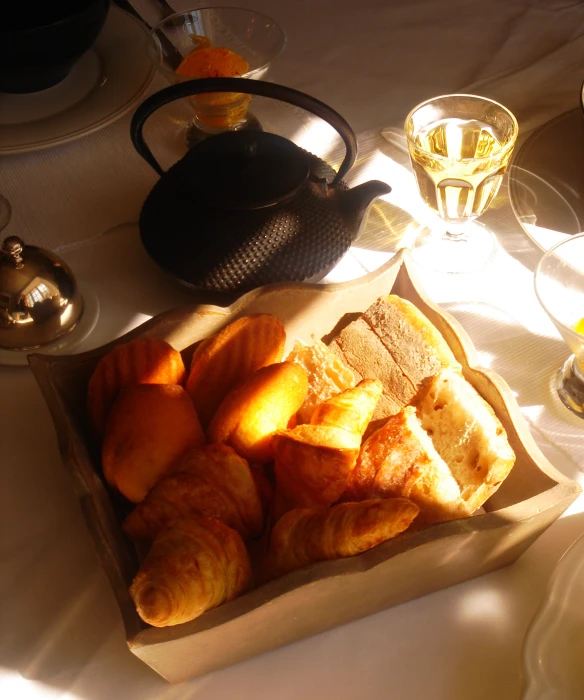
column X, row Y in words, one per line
column 62, row 636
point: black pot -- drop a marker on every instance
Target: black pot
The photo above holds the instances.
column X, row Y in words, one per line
column 40, row 42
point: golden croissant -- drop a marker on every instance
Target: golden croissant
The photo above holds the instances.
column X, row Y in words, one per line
column 304, row 536
column 195, row 565
column 351, row 409
column 312, row 465
column 212, row 480
column 313, row 462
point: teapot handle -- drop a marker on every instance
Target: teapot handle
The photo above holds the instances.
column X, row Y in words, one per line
column 248, row 86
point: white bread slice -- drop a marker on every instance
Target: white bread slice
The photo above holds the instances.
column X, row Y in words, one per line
column 467, row 435
column 399, row 459
column 394, row 342
column 362, row 350
column 412, row 340
column 328, row 375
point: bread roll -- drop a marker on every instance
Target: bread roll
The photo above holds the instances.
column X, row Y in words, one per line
column 399, row 460
column 139, row 361
column 255, row 409
column 327, row 375
column 221, row 362
column 467, row 435
column 193, row 566
column 305, row 536
column 149, row 428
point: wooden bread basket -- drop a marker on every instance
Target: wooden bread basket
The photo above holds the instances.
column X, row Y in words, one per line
column 331, row 593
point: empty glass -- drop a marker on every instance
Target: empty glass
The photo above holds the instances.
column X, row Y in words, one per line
column 559, row 286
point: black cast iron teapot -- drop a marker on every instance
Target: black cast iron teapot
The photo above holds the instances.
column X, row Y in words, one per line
column 246, row 208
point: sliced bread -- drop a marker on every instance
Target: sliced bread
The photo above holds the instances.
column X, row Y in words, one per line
column 394, row 342
column 466, row 433
column 399, row 459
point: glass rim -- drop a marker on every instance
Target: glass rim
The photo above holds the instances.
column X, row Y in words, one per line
column 242, row 10
column 536, row 275
column 445, row 159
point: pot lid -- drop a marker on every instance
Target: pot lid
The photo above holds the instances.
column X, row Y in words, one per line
column 39, row 298
column 241, row 170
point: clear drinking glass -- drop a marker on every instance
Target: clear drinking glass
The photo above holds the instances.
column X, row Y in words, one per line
column 252, row 41
column 460, row 146
column 559, row 286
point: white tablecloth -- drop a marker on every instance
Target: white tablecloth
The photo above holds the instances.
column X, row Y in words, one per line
column 62, row 636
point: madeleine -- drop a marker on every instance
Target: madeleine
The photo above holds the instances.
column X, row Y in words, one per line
column 149, row 428
column 251, row 413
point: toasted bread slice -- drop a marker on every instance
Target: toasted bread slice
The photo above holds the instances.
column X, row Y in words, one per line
column 327, row 374
column 229, row 357
column 467, row 434
column 399, row 460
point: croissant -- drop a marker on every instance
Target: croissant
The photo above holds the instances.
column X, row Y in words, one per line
column 351, row 409
column 212, row 480
column 195, row 565
column 304, row 536
column 139, row 361
column 312, row 465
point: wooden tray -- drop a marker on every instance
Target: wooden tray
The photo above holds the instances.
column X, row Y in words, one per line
column 327, row 594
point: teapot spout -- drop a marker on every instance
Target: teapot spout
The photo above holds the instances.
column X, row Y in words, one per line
column 357, row 200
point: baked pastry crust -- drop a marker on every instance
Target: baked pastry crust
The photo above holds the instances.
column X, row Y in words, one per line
column 194, row 565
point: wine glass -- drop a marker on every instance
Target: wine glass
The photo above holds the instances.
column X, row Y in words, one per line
column 459, row 147
column 213, row 42
column 559, row 286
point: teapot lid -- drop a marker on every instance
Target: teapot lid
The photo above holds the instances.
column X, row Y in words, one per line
column 243, row 170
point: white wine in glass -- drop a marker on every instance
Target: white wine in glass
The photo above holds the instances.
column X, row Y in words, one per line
column 460, row 146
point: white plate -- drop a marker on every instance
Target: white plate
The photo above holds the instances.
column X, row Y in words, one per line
column 105, row 84
column 546, row 184
column 553, row 651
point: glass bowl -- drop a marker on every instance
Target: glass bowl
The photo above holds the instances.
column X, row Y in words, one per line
column 249, row 42
column 559, row 286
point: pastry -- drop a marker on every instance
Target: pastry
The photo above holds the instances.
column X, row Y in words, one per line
column 221, row 362
column 193, row 566
column 139, row 361
column 307, row 535
column 254, row 410
column 149, row 428
column 212, row 480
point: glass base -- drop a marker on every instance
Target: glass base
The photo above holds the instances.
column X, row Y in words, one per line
column 439, row 248
column 195, row 134
column 570, row 386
